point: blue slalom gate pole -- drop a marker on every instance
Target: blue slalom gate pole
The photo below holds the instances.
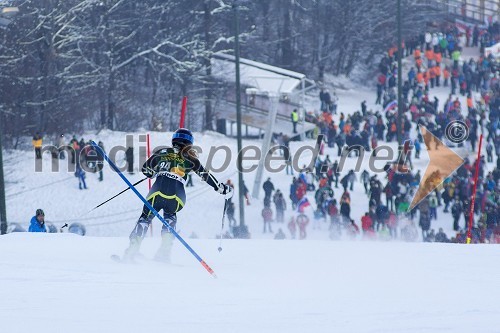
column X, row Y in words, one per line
column 186, row 245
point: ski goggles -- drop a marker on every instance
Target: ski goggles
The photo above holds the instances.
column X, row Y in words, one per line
column 183, row 136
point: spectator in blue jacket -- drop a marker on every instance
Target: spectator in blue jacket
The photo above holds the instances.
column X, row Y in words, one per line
column 80, row 174
column 37, row 223
column 411, row 76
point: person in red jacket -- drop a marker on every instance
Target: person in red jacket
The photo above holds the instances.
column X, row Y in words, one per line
column 392, row 223
column 382, row 79
column 367, row 227
column 301, row 190
column 333, row 212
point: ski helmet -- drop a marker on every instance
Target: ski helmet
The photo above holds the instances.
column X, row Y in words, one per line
column 182, row 137
column 39, row 212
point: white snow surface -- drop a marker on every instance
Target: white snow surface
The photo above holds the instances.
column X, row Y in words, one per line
column 67, row 283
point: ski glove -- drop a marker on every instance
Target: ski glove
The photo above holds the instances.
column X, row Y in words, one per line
column 226, row 190
column 148, row 172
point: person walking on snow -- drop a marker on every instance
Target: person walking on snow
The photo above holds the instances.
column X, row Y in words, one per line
column 170, row 166
column 295, row 119
column 80, row 174
column 268, row 189
column 267, row 215
column 37, row 144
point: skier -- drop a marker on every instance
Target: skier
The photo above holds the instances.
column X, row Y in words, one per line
column 171, row 167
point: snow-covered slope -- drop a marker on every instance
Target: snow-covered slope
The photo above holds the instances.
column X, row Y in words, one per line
column 67, row 283
column 58, row 194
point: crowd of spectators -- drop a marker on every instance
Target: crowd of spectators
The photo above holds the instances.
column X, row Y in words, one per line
column 80, row 153
column 435, row 60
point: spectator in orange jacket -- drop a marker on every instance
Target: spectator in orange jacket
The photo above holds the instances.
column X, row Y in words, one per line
column 437, row 70
column 438, row 57
column 432, row 76
column 391, row 52
column 426, row 80
column 347, row 127
column 418, row 63
column 446, row 76
column 470, row 102
column 420, row 77
column 429, row 55
column 417, row 54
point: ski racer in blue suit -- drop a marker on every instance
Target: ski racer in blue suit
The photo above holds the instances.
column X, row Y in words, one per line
column 170, row 166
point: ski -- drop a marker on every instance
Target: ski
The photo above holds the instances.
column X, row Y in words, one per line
column 117, row 258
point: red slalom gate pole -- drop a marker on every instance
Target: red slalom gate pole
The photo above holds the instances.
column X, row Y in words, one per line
column 476, row 175
column 148, row 151
column 148, row 148
column 183, row 112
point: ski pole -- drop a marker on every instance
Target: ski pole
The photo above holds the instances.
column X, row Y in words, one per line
column 222, row 227
column 102, row 203
column 128, row 188
column 64, row 226
column 154, row 211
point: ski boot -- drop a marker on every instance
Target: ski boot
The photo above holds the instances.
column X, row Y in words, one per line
column 163, row 253
column 133, row 250
column 167, row 239
column 136, row 237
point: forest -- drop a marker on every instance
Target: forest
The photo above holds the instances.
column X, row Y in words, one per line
column 73, row 65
